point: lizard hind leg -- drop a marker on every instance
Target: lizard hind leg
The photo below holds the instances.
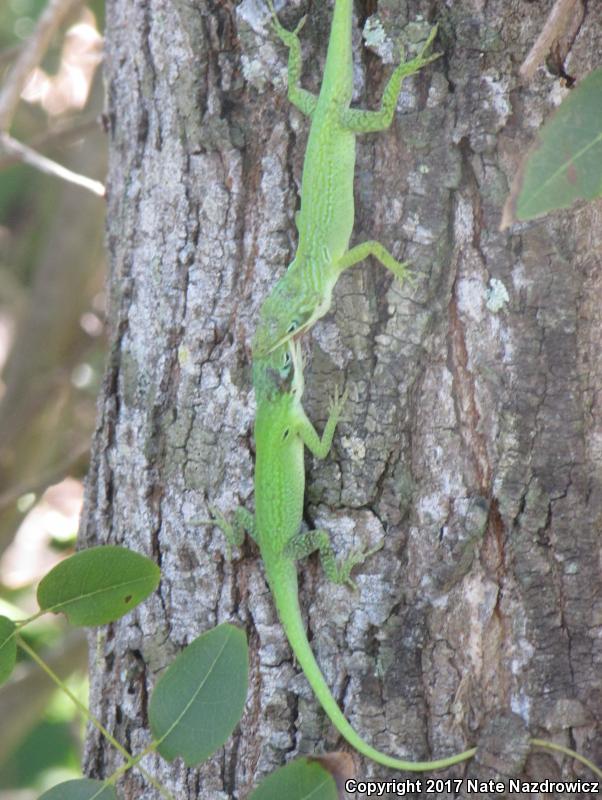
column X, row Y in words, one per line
column 380, row 253
column 359, row 121
column 284, row 34
column 302, row 99
column 303, row 544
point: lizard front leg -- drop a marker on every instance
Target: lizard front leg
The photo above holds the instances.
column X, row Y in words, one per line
column 320, row 446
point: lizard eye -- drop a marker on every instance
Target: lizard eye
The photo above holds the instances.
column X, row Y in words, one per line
column 292, row 327
column 285, row 434
column 287, row 359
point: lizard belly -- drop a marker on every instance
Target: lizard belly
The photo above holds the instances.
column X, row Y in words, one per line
column 279, row 490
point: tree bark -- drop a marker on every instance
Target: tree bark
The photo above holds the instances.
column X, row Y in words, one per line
column 470, row 445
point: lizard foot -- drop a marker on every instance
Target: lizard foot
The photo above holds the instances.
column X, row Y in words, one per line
column 286, row 36
column 421, row 60
column 355, row 558
column 337, row 402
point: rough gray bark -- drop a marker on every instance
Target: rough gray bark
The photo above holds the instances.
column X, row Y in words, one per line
column 470, row 447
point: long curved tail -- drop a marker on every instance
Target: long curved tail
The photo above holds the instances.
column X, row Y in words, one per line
column 287, row 603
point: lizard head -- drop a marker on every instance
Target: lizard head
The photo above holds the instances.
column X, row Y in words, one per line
column 278, row 383
column 285, row 313
column 273, row 374
column 279, row 373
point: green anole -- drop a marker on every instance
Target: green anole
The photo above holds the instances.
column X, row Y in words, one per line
column 282, row 430
column 325, row 218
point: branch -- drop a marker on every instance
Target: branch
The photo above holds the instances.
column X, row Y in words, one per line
column 10, row 53
column 553, row 29
column 23, row 700
column 35, row 159
column 30, row 56
column 54, row 474
column 61, row 133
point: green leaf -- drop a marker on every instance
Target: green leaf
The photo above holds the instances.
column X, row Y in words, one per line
column 566, row 163
column 302, row 779
column 199, row 700
column 8, row 648
column 98, row 585
column 83, row 789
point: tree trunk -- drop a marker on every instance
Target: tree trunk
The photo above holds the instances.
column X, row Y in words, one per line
column 470, row 444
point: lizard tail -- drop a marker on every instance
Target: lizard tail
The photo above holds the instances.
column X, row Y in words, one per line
column 287, row 604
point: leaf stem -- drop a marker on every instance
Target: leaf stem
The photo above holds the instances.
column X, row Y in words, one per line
column 568, row 752
column 130, row 760
column 21, row 623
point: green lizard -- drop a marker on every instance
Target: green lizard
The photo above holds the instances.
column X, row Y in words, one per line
column 282, row 429
column 325, row 219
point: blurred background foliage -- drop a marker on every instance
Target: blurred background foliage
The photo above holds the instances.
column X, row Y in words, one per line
column 52, row 346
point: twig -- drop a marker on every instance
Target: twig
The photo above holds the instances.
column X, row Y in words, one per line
column 30, row 56
column 35, row 159
column 130, row 760
column 60, row 133
column 10, row 53
column 553, row 29
column 52, row 475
